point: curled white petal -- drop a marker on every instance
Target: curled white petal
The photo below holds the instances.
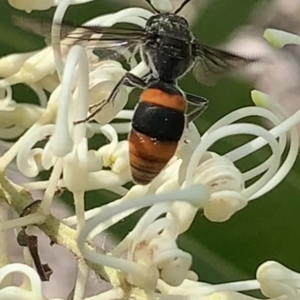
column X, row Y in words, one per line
column 22, row 115
column 146, row 276
column 155, row 244
column 75, row 174
column 277, row 280
column 189, row 141
column 226, row 185
column 233, row 129
column 176, row 270
column 134, row 192
column 120, row 158
column 265, row 101
column 106, row 151
column 94, row 160
column 42, row 97
column 36, row 285
column 26, row 159
column 6, row 100
column 10, row 64
column 201, row 290
column 48, row 159
column 105, row 179
column 61, row 142
column 34, row 69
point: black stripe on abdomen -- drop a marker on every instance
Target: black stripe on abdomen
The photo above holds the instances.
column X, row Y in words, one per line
column 158, row 122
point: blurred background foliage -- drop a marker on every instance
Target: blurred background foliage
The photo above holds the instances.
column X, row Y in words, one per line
column 267, row 229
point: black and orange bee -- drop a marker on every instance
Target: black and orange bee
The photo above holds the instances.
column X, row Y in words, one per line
column 170, row 50
column 157, row 127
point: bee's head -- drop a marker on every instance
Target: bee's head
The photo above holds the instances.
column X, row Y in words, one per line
column 169, row 24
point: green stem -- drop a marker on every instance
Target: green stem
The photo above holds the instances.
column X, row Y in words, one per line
column 59, row 233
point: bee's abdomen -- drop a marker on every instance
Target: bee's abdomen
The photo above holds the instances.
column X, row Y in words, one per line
column 160, row 115
column 158, row 124
column 148, row 157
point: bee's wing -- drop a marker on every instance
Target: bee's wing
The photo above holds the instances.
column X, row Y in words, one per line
column 211, row 64
column 106, row 42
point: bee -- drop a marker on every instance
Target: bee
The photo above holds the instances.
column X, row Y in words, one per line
column 170, row 50
column 157, row 127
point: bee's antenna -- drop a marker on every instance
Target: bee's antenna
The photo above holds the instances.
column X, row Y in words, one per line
column 184, row 3
column 156, row 10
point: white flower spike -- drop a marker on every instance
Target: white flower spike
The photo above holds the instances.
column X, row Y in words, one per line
column 148, row 257
column 143, row 263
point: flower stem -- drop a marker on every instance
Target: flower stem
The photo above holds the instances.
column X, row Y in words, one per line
column 82, row 275
column 31, row 219
column 51, row 188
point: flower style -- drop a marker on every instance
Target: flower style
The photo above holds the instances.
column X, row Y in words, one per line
column 16, row 117
column 31, row 290
column 195, row 178
column 276, row 282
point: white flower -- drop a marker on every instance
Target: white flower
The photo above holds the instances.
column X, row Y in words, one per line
column 12, row 63
column 273, row 279
column 61, row 144
column 15, row 118
column 195, row 178
column 277, row 280
column 153, row 253
column 224, row 181
column 151, row 245
column 202, row 291
column 69, row 142
column 37, row 66
column 227, row 184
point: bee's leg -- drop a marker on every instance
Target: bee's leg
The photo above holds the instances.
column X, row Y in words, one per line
column 129, row 80
column 132, row 80
column 196, row 100
column 200, row 104
column 194, row 114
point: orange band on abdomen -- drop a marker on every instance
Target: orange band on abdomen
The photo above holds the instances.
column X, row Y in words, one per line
column 160, row 98
column 148, row 157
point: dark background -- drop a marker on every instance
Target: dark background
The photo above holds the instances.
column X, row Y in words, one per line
column 267, row 229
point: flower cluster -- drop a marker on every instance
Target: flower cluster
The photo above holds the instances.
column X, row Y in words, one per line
column 148, row 258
